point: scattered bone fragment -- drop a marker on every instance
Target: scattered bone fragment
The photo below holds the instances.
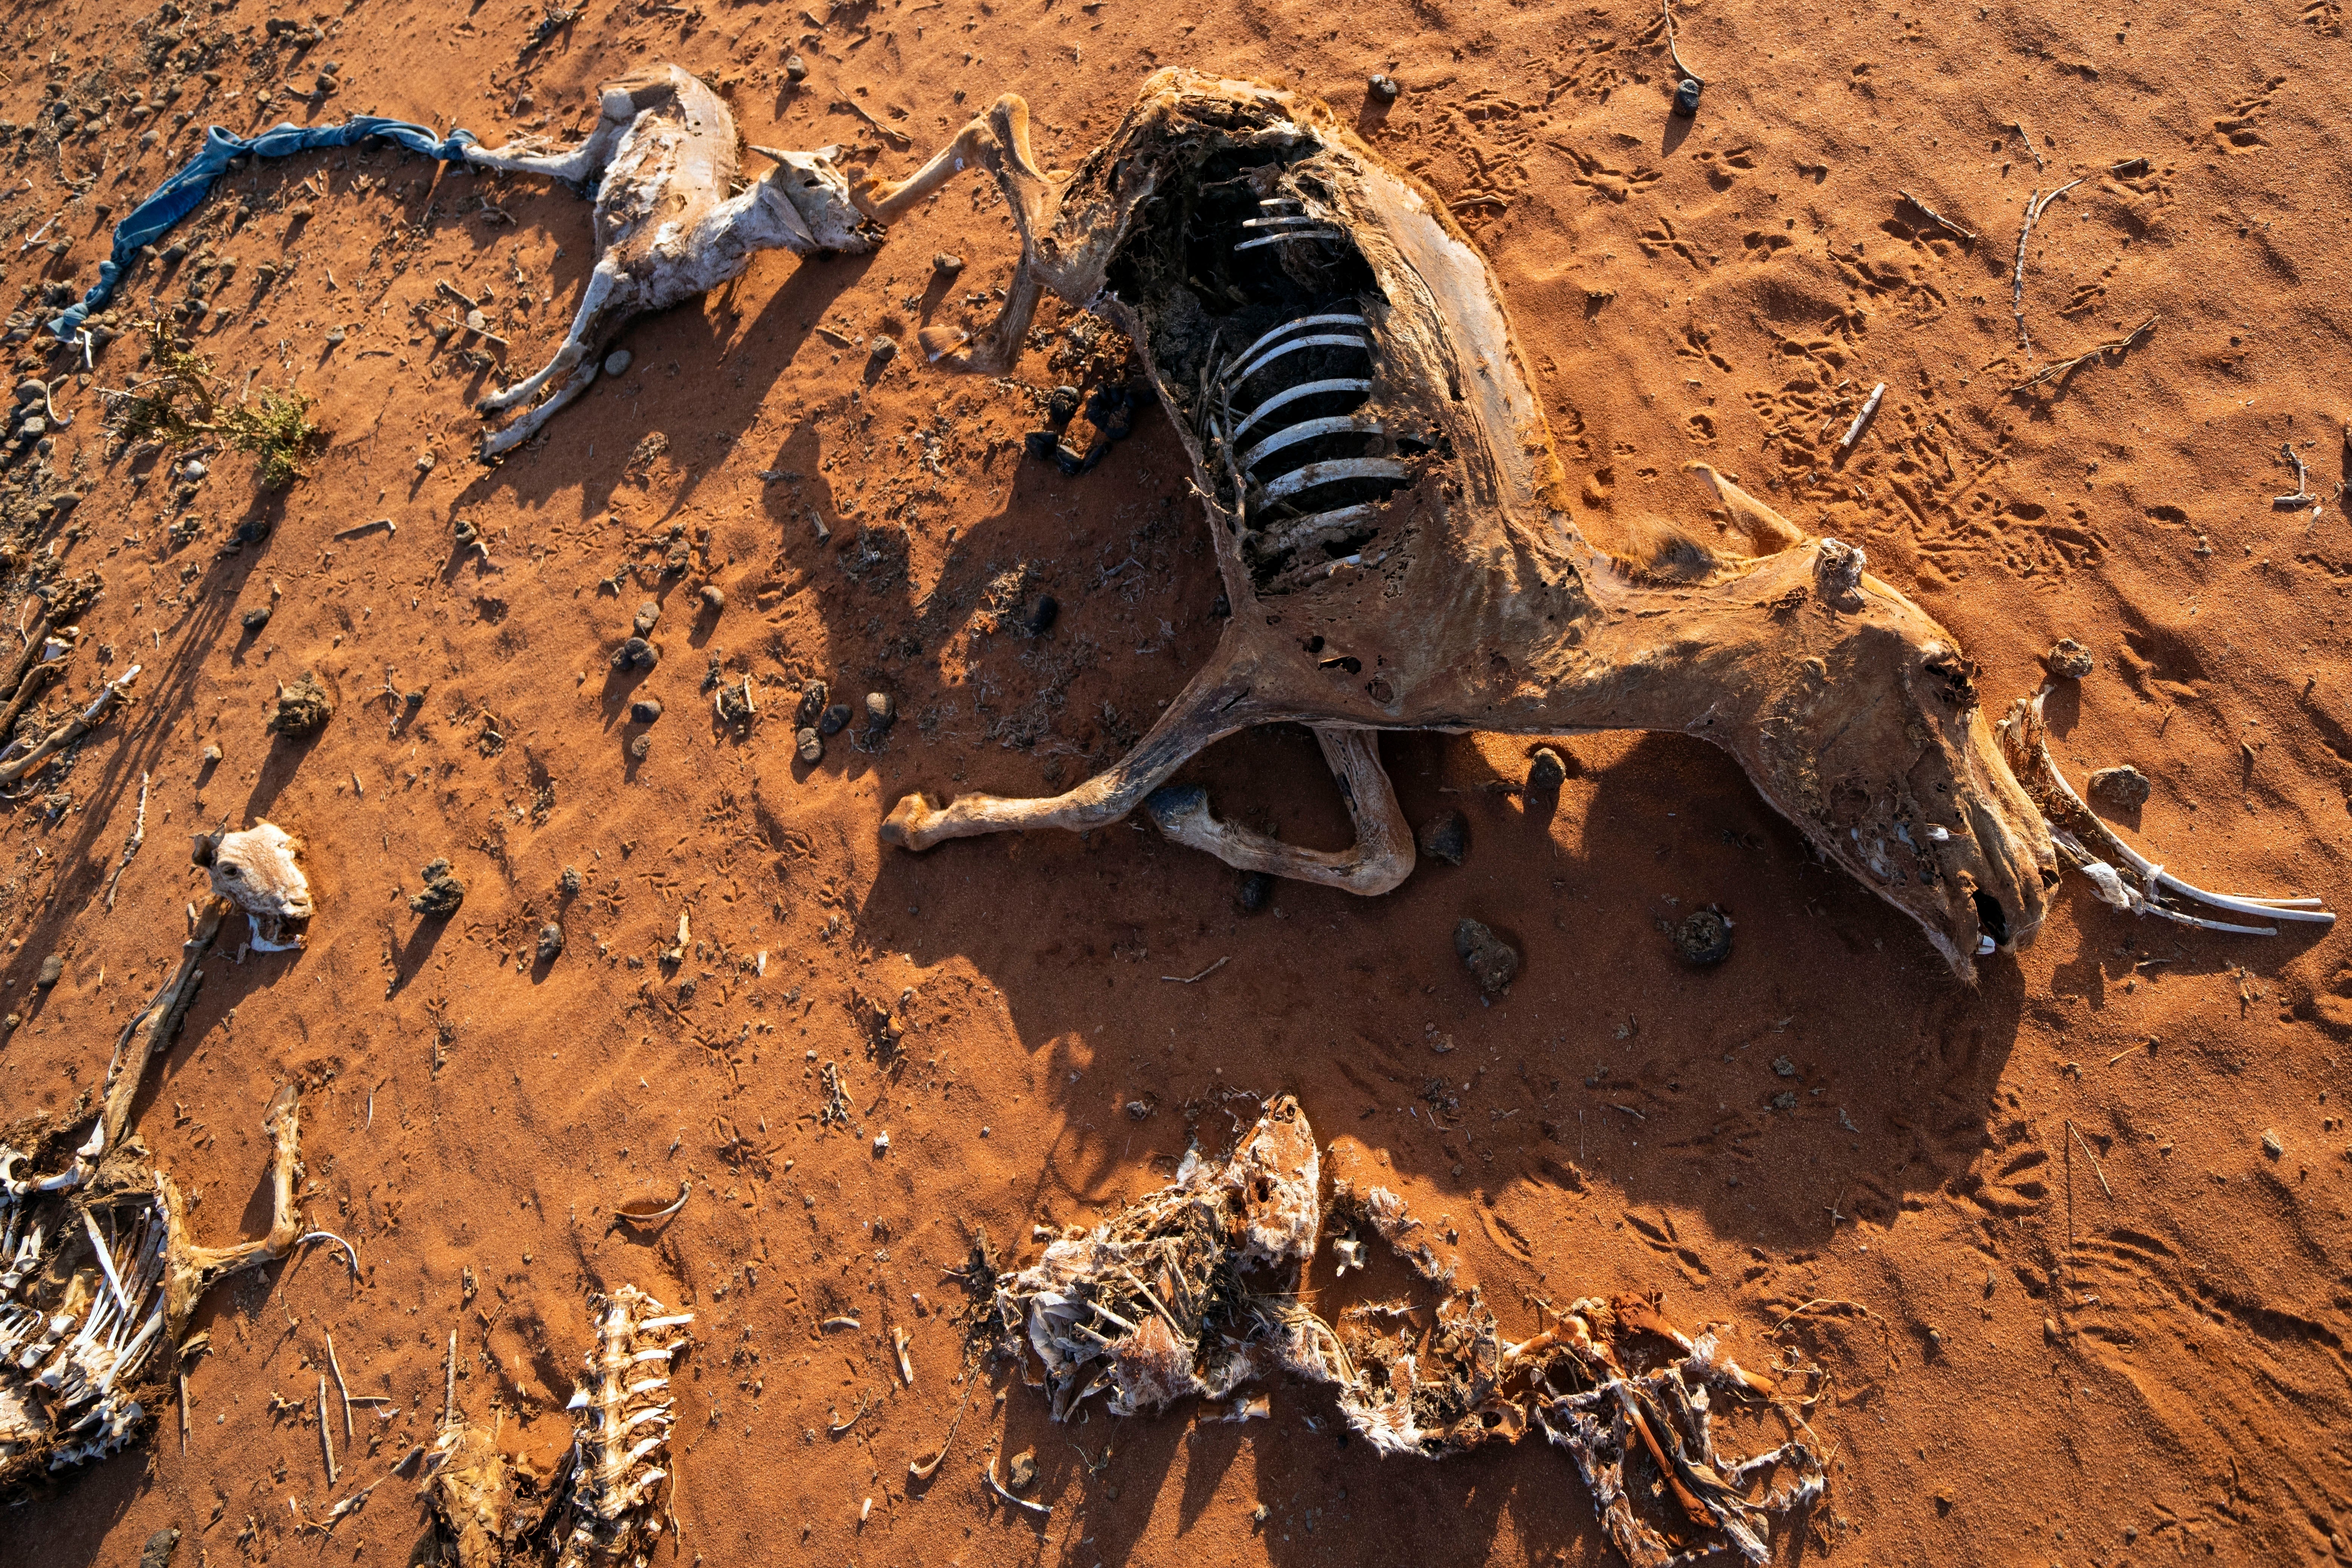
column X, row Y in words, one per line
column 1194, row 1289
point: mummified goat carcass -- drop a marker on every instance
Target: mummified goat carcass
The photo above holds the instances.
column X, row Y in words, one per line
column 99, row 1273
column 1394, row 533
column 1196, row 1289
column 669, row 224
column 605, row 1507
column 258, row 870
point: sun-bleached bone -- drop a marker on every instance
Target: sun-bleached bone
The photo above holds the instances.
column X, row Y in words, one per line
column 1196, row 1289
column 669, row 224
column 258, row 870
column 619, row 1447
column 1414, row 563
column 100, row 1273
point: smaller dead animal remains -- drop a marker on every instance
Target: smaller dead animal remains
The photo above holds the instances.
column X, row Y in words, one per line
column 605, row 1507
column 256, row 871
column 99, row 1272
column 1197, row 1289
column 661, row 161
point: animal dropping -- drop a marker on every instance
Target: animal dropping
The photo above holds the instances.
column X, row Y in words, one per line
column 1395, row 535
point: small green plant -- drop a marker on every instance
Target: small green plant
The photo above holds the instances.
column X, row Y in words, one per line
column 178, row 403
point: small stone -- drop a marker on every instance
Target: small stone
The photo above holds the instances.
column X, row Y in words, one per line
column 336, row 334
column 795, row 68
column 1384, row 88
column 1039, row 618
column 1021, row 1470
column 1784, row 1066
column 1686, row 97
column 1446, row 838
column 947, row 264
column 551, row 942
column 1703, row 937
column 644, row 710
column 443, row 892
column 1785, row 1101
column 835, row 720
column 253, row 620
column 32, row 390
column 569, row 883
column 714, row 599
column 2070, row 659
column 648, row 615
column 881, row 711
column 53, row 969
column 811, row 708
column 1492, row 962
column 2125, row 786
column 883, row 349
column 617, row 362
column 32, row 429
column 2272, row 1144
column 811, row 745
column 211, row 755
column 192, row 471
column 2049, row 1331
column 1062, row 405
column 300, row 711
column 477, row 323
column 881, row 1144
column 1256, row 888
column 636, row 654
column 1547, row 771
column 641, row 748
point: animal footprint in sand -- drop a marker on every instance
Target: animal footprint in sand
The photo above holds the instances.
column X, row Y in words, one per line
column 2326, row 17
column 1662, row 238
column 1695, row 345
column 1699, row 428
column 2238, row 131
column 1762, row 247
column 1614, row 185
column 1722, row 168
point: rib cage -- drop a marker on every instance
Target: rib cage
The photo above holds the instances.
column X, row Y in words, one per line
column 67, row 1369
column 619, row 1451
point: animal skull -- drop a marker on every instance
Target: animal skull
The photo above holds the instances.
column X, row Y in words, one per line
column 1394, row 533
column 256, row 870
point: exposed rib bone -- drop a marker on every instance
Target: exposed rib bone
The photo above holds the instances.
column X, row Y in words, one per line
column 1317, row 526
column 1290, row 234
column 1315, row 474
column 1304, row 389
column 1318, row 339
column 1306, row 430
column 1298, row 324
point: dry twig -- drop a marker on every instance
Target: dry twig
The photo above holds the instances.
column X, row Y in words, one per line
column 1968, row 235
column 2052, row 370
column 2094, row 1162
column 2034, row 206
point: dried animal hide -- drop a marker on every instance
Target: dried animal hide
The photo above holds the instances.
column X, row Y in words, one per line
column 1195, row 1290
column 471, row 1489
column 98, row 1274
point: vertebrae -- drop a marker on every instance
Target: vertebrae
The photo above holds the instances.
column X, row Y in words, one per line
column 625, row 1415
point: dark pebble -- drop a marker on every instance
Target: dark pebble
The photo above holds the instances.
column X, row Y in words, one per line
column 644, row 710
column 812, row 706
column 1257, row 889
column 1547, row 771
column 795, row 68
column 950, row 264
column 640, row 748
column 883, row 349
column 1041, row 615
column 2070, row 659
column 713, row 599
column 443, row 892
column 1703, row 937
column 551, row 942
column 1492, row 962
column 836, row 719
column 569, row 883
column 53, row 969
column 1446, row 838
column 253, row 620
column 636, row 654
column 1384, row 88
column 881, row 711
column 648, row 614
column 812, row 746
column 2125, row 786
column 1686, row 97
column 1062, row 406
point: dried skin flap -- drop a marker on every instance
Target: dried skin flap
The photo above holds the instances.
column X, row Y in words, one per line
column 1195, row 1290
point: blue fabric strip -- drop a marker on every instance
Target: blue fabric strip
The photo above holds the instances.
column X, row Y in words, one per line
column 179, row 195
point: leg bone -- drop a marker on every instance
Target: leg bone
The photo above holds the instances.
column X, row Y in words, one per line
column 1383, row 856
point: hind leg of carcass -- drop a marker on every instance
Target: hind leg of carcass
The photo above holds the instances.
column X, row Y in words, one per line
column 1382, row 858
column 1213, row 706
column 524, row 428
column 577, row 345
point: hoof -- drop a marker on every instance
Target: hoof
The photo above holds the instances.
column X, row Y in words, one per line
column 1171, row 805
column 903, row 828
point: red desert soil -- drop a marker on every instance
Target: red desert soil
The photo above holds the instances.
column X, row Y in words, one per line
column 1824, row 1143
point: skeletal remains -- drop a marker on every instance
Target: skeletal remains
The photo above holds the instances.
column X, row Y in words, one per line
column 1198, row 1289
column 1393, row 532
column 667, row 224
column 98, row 1274
column 604, row 1509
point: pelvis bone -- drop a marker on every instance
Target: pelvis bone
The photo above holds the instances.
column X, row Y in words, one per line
column 661, row 161
column 1199, row 1288
column 1395, row 535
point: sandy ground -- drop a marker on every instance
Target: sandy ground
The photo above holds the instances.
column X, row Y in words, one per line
column 2075, row 1311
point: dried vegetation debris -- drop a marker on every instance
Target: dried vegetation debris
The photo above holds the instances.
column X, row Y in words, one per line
column 1198, row 1289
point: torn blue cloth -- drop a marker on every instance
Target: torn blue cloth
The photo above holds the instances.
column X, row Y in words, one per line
column 178, row 197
